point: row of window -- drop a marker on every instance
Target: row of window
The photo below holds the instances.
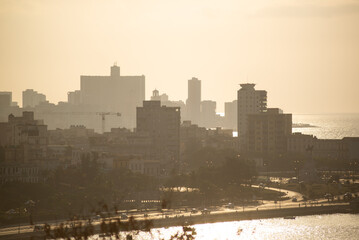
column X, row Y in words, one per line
column 18, row 170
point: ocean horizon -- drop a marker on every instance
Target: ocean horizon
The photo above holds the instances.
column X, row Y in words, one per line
column 328, row 126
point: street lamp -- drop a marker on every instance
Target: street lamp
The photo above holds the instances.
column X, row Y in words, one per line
column 30, row 205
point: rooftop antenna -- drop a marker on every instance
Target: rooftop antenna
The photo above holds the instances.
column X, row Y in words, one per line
column 115, row 64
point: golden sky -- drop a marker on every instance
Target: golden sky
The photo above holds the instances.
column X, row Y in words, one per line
column 304, row 53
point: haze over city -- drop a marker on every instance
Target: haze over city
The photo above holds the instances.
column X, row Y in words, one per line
column 167, row 120
column 305, row 54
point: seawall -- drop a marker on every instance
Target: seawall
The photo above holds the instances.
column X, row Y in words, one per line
column 250, row 215
column 223, row 217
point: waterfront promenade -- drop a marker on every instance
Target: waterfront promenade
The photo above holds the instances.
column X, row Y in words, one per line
column 180, row 217
column 224, row 216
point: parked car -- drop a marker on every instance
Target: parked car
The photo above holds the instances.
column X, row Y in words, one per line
column 348, row 196
column 328, row 196
column 230, row 205
column 38, row 228
column 205, row 211
column 194, row 210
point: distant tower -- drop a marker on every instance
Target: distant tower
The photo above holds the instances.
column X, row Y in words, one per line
column 208, row 114
column 230, row 114
column 194, row 100
column 156, row 95
column 31, row 98
column 115, row 70
column 74, row 97
column 114, row 93
column 5, row 99
column 250, row 101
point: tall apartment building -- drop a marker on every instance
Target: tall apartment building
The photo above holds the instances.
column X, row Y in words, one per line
column 267, row 132
column 31, row 98
column 230, row 115
column 250, row 101
column 193, row 103
column 208, row 114
column 163, row 126
column 114, row 93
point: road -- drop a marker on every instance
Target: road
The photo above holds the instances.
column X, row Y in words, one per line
column 6, row 231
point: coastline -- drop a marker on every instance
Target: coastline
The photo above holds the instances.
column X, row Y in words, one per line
column 251, row 215
column 223, row 217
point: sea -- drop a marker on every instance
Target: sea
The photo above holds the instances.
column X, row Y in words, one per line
column 328, row 126
column 324, row 227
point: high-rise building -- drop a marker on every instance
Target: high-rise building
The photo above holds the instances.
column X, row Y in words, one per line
column 267, row 132
column 208, row 114
column 31, row 98
column 163, row 126
column 250, row 101
column 193, row 103
column 230, row 115
column 5, row 99
column 114, row 93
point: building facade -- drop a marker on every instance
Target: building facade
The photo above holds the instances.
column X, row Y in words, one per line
column 27, row 173
column 230, row 115
column 114, row 93
column 250, row 101
column 299, row 143
column 267, row 132
column 193, row 103
column 23, row 139
column 166, row 102
column 74, row 97
column 5, row 99
column 208, row 114
column 162, row 124
column 31, row 98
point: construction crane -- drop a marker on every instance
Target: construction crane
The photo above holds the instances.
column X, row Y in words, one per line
column 103, row 114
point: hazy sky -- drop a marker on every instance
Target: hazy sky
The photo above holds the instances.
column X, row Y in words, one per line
column 305, row 53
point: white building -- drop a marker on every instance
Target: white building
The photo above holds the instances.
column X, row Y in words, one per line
column 250, row 101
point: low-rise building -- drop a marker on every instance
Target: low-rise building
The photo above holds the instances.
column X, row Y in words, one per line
column 298, row 143
column 23, row 139
column 137, row 164
column 14, row 172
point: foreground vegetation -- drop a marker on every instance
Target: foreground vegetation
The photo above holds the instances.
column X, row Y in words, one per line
column 78, row 190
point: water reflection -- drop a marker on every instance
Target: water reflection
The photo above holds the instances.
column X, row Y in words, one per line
column 335, row 226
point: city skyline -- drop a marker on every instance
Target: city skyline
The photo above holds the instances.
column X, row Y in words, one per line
column 185, row 119
column 312, row 53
